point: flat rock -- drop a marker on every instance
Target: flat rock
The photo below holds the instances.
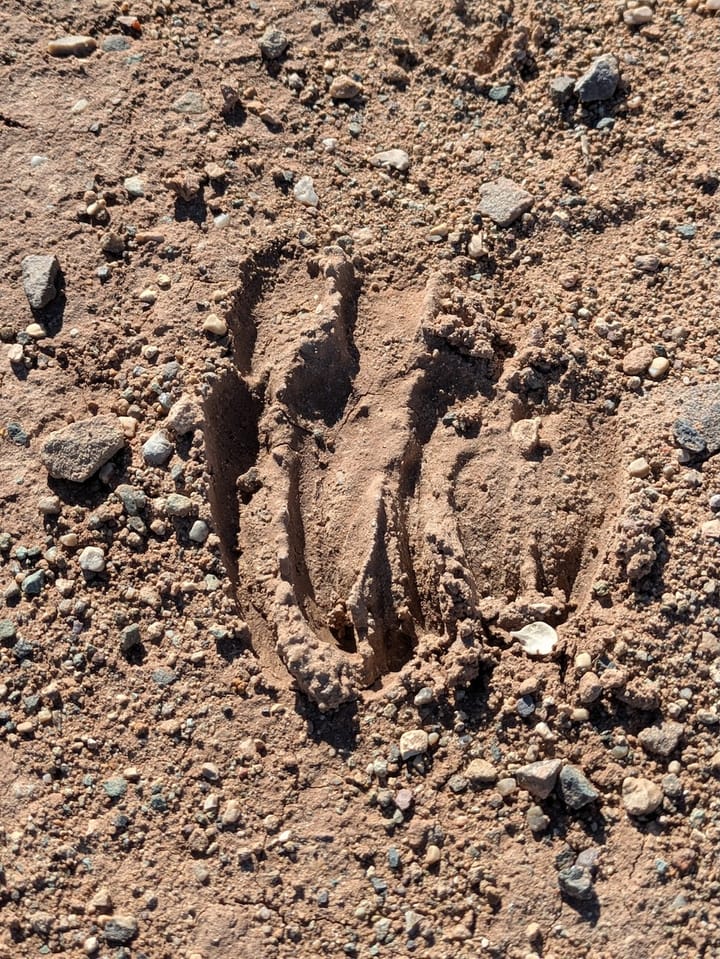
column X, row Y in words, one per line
column 539, row 778
column 72, row 46
column 640, row 796
column 394, row 159
column 600, row 80
column 481, row 772
column 190, row 102
column 575, row 788
column 503, row 201
column 77, row 451
column 40, row 274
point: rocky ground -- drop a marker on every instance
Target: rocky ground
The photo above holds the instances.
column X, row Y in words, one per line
column 343, row 343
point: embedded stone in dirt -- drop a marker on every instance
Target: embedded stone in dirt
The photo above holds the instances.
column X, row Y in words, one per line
column 481, row 772
column 396, row 159
column 184, row 416
column 504, row 201
column 600, row 80
column 158, row 449
column 189, row 102
column 72, row 46
column 576, row 882
column 661, row 740
column 637, row 360
column 345, row 88
column 120, row 930
column 413, row 743
column 697, row 429
column 641, row 797
column 539, row 778
column 273, row 43
column 78, row 451
column 40, row 273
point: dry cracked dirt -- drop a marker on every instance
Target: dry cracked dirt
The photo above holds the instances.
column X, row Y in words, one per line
column 341, row 342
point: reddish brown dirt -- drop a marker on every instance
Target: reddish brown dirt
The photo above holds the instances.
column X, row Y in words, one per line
column 415, row 440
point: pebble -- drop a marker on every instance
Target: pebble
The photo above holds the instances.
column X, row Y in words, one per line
column 647, row 263
column 120, row 930
column 148, row 296
column 199, row 531
column 189, row 102
column 15, row 354
column 481, row 772
column 504, row 201
column 424, row 696
column 432, row 855
column 184, row 416
column 40, row 273
column 304, row 191
column 134, row 186
column 600, row 80
column 576, row 882
column 539, row 778
column 506, row 787
column 637, row 361
column 273, row 43
column 583, row 662
column 476, row 249
column 661, row 740
column 72, row 46
column 413, row 743
column 49, row 505
column 659, row 367
column 636, row 16
column 589, row 688
column 536, row 819
column 344, row 87
column 215, row 325
column 32, row 585
column 640, row 796
column 36, row 331
column 561, row 90
column 92, row 560
column 158, row 449
column 115, row 788
column 639, row 468
column 395, row 159
column 77, row 451
column 178, row 505
column 575, row 788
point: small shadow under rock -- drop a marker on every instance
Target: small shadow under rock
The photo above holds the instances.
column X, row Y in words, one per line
column 235, row 117
column 587, row 909
column 50, row 317
column 338, row 729
column 195, row 209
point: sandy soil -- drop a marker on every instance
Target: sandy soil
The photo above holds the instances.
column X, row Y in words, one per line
column 261, row 688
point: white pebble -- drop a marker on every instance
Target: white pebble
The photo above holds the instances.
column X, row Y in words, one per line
column 215, row 324
column 659, row 367
column 92, row 560
column 639, row 468
column 304, row 191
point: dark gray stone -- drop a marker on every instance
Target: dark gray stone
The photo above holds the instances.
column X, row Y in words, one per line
column 561, row 90
column 576, row 883
column 697, row 429
column 40, row 274
column 600, row 80
column 273, row 43
column 575, row 788
column 33, row 584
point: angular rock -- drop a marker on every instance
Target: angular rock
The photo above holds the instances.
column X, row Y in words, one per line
column 600, row 80
column 184, row 416
column 304, row 191
column 72, row 46
column 40, row 274
column 503, row 201
column 120, row 930
column 539, row 778
column 575, row 788
column 561, row 90
column 190, row 102
column 480, row 772
column 77, row 451
column 344, row 87
column 413, row 743
column 640, row 796
column 395, row 159
column 661, row 740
